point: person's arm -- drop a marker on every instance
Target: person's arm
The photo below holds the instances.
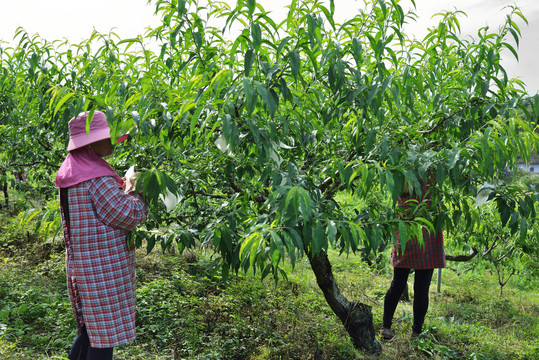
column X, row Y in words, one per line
column 114, row 207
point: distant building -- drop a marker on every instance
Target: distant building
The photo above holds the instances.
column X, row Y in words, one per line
column 532, row 168
column 533, row 165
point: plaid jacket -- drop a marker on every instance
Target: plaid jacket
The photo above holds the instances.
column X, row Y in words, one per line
column 415, row 256
column 100, row 268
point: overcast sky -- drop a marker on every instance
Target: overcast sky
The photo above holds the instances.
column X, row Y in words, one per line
column 75, row 20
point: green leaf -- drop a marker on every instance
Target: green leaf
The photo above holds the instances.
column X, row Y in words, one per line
column 290, row 198
column 276, row 239
column 295, row 63
column 398, row 185
column 228, row 128
column 332, row 231
column 281, row 46
column 386, row 83
column 287, row 95
column 484, row 88
column 523, row 228
column 389, row 182
column 511, row 48
column 403, row 236
column 150, row 243
column 250, row 95
column 359, row 236
column 371, row 138
column 372, row 93
column 296, row 238
column 256, row 34
column 267, row 98
column 150, row 188
column 319, row 238
column 248, row 61
column 505, row 212
column 62, row 102
column 425, row 223
column 289, row 244
column 440, row 174
column 454, row 156
column 304, row 203
column 251, row 6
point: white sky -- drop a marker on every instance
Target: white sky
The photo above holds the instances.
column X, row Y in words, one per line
column 75, row 20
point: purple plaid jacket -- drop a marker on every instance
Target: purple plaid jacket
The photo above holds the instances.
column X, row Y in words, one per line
column 100, row 268
column 415, row 256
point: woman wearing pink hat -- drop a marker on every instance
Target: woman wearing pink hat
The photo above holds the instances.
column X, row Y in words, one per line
column 97, row 215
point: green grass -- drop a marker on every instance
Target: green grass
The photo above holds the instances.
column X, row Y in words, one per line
column 186, row 312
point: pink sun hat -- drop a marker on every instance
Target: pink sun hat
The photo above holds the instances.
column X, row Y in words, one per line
column 99, row 130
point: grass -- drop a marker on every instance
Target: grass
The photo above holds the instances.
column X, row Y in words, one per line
column 184, row 311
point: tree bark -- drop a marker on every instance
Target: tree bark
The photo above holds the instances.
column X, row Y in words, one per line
column 6, row 196
column 355, row 316
column 405, row 296
column 462, row 258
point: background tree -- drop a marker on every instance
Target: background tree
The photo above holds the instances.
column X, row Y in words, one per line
column 247, row 132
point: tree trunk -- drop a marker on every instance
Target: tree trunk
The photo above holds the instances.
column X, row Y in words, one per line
column 6, row 196
column 355, row 316
column 405, row 296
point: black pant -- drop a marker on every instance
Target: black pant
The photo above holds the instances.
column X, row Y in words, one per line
column 81, row 349
column 421, row 296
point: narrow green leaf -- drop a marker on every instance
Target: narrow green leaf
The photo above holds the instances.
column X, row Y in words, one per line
column 484, row 88
column 251, row 6
column 425, row 223
column 403, row 236
column 304, row 203
column 248, row 88
column 386, row 83
column 268, row 99
column 372, row 93
column 523, row 228
column 511, row 48
column 248, row 61
column 440, row 174
column 89, row 119
column 454, row 156
column 319, row 238
column 256, row 35
column 398, row 185
column 282, row 45
column 289, row 197
column 295, row 63
column 332, row 231
column 62, row 102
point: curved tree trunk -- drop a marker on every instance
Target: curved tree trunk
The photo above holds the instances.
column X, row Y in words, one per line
column 355, row 316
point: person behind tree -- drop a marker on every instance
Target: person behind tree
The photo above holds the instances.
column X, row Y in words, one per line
column 423, row 258
column 97, row 215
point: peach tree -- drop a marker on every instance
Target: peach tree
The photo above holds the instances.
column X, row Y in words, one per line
column 247, row 128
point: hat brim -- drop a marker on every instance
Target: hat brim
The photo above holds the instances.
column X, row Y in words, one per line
column 122, row 138
column 82, row 140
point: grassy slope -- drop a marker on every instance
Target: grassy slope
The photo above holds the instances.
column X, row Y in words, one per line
column 186, row 312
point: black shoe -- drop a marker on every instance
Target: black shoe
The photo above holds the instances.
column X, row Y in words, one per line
column 387, row 334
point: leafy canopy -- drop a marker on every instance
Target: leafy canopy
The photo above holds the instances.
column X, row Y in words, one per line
column 248, row 131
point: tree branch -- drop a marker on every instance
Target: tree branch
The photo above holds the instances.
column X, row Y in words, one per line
column 259, row 198
column 45, row 146
column 36, row 163
column 194, row 193
column 462, row 258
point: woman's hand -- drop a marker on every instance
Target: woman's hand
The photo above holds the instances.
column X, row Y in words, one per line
column 130, row 183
